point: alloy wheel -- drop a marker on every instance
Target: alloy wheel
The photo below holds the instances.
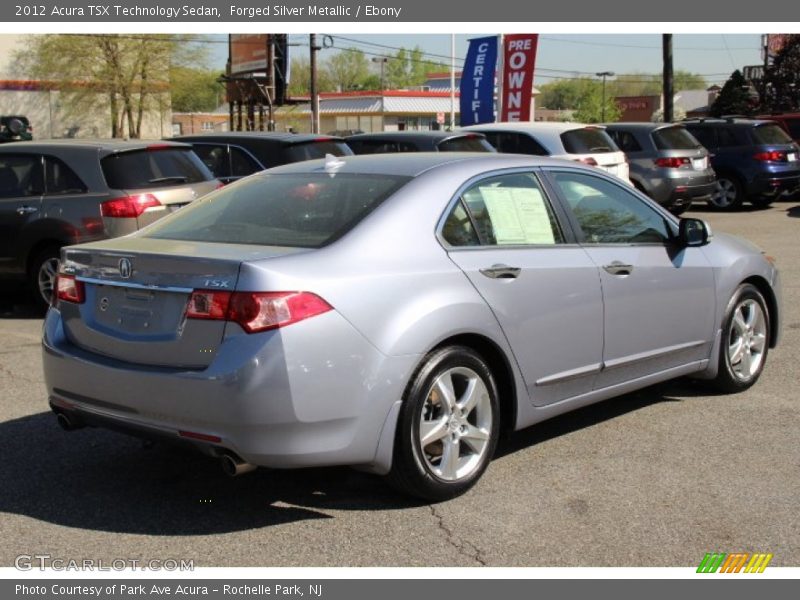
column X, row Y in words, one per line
column 747, row 339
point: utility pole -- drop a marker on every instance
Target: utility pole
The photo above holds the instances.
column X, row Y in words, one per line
column 668, row 89
column 604, row 74
column 314, row 93
column 382, row 60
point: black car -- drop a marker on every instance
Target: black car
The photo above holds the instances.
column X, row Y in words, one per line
column 419, row 141
column 666, row 162
column 754, row 159
column 61, row 192
column 236, row 154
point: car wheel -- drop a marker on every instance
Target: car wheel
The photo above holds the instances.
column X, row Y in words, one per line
column 42, row 275
column 448, row 426
column 745, row 340
column 729, row 194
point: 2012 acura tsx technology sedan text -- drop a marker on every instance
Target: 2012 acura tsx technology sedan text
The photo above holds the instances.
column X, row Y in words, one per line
column 397, row 312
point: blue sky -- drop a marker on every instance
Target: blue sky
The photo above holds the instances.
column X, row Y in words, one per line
column 714, row 56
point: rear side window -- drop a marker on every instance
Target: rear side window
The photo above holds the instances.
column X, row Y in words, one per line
column 770, row 134
column 626, row 141
column 515, row 143
column 674, row 138
column 465, row 144
column 242, row 163
column 302, row 210
column 316, row 149
column 153, row 168
column 215, row 157
column 589, row 140
column 793, row 125
column 727, row 138
column 60, row 179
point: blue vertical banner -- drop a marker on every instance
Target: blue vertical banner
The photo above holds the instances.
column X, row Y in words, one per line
column 477, row 82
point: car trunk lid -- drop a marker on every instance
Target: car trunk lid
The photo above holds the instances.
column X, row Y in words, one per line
column 136, row 294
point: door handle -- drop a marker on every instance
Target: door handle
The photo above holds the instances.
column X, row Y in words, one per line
column 26, row 210
column 501, row 272
column 618, row 268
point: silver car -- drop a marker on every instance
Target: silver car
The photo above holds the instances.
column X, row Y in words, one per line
column 397, row 312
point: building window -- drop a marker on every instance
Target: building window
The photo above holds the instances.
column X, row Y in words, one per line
column 207, row 126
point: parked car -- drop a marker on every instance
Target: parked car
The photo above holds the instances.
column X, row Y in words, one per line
column 233, row 155
column 666, row 162
column 754, row 159
column 418, row 141
column 14, row 128
column 397, row 312
column 56, row 193
column 789, row 122
column 589, row 144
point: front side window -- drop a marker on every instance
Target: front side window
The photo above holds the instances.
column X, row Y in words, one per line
column 301, row 210
column 610, row 214
column 20, row 175
column 510, row 142
column 215, row 157
column 507, row 210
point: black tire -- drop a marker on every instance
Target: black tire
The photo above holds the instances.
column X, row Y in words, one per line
column 729, row 195
column 747, row 323
column 422, row 471
column 41, row 268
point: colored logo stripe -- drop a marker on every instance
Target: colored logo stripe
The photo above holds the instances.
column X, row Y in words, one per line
column 733, row 563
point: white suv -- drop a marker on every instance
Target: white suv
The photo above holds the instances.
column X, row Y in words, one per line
column 589, row 144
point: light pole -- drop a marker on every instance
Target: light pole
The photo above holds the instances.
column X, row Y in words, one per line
column 604, row 74
column 382, row 60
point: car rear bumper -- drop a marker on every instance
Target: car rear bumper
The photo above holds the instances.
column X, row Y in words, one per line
column 773, row 183
column 671, row 191
column 277, row 399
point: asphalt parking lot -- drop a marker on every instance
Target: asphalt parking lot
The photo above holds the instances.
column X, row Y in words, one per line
column 655, row 478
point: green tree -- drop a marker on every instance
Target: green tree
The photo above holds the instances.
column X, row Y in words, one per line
column 783, row 79
column 734, row 98
column 125, row 75
column 348, row 69
column 584, row 95
column 651, row 84
column 409, row 68
column 195, row 90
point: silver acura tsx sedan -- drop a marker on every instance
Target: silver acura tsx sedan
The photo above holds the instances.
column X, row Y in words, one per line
column 397, row 312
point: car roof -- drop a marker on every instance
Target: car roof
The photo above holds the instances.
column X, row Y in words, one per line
column 409, row 135
column 740, row 121
column 412, row 164
column 276, row 136
column 112, row 145
column 641, row 126
column 554, row 126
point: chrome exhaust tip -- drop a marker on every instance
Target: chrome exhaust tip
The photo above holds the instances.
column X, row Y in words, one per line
column 234, row 466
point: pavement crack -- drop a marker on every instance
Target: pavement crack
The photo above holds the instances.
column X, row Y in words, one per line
column 464, row 547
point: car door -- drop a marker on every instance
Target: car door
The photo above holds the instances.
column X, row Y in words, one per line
column 20, row 205
column 542, row 287
column 658, row 297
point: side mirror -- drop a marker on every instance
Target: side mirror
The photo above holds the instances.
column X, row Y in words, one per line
column 693, row 232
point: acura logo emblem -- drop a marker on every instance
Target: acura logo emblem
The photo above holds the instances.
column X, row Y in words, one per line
column 125, row 268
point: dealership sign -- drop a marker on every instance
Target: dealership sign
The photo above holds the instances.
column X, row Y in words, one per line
column 477, row 82
column 519, row 57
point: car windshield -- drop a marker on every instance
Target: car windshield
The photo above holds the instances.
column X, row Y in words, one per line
column 468, row 143
column 674, row 138
column 771, row 133
column 588, row 140
column 153, row 167
column 302, row 210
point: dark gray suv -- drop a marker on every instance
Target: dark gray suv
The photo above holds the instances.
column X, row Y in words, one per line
column 666, row 162
column 57, row 193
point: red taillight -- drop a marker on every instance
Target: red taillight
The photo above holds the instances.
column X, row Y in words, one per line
column 156, row 147
column 69, row 289
column 256, row 311
column 193, row 435
column 672, row 162
column 588, row 161
column 773, row 156
column 128, row 206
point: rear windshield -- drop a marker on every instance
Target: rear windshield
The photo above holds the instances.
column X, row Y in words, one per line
column 465, row 144
column 589, row 140
column 302, row 210
column 316, row 149
column 771, row 133
column 674, row 138
column 153, row 168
